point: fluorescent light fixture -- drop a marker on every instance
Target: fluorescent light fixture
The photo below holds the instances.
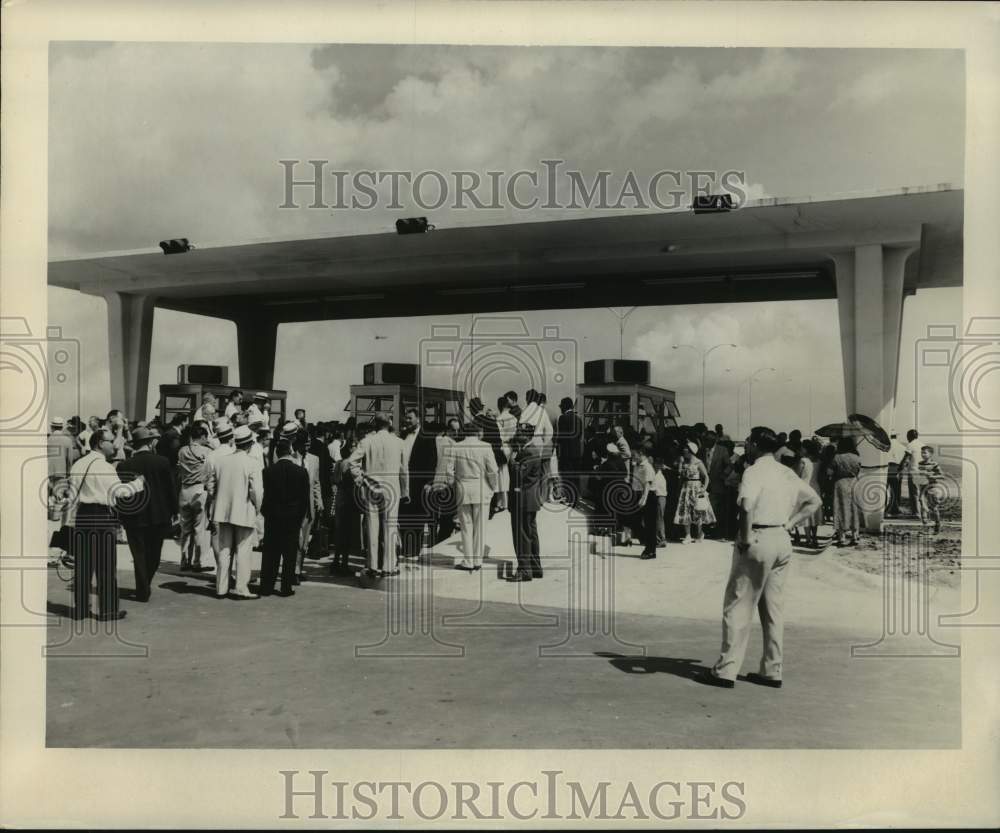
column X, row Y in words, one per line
column 478, row 290
column 546, row 287
column 681, row 279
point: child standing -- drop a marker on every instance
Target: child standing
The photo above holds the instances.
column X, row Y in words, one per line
column 660, row 490
column 929, row 474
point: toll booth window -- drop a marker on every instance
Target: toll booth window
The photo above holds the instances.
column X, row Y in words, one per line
column 369, row 407
column 179, row 403
column 672, row 412
column 606, row 404
column 649, row 416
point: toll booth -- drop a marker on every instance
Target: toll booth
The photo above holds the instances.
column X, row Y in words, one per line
column 392, row 401
column 185, row 399
column 616, row 390
column 392, row 389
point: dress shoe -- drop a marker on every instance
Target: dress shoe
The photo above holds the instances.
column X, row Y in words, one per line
column 221, row 596
column 265, row 593
column 286, row 593
column 240, row 597
column 645, row 556
column 477, row 568
column 708, row 677
column 111, row 617
column 537, row 574
column 520, row 577
column 760, row 679
column 463, row 567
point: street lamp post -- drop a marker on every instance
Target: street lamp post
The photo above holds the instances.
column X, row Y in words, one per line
column 704, row 360
column 750, row 379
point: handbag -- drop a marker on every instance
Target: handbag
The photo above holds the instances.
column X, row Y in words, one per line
column 701, row 502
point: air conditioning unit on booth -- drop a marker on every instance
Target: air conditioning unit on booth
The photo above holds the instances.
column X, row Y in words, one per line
column 391, row 373
column 202, row 374
column 609, row 371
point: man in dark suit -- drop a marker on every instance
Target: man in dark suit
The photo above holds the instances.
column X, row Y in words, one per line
column 527, row 496
column 569, row 440
column 422, row 456
column 147, row 519
column 286, row 502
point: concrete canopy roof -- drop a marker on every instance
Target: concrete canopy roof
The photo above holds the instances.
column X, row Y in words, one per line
column 768, row 250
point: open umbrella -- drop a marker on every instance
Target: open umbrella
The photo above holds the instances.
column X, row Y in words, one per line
column 836, row 430
column 873, row 432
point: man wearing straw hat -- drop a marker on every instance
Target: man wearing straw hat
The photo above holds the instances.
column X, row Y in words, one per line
column 237, row 489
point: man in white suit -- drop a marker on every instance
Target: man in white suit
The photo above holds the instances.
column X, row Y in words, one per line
column 472, row 469
column 236, row 492
column 380, row 459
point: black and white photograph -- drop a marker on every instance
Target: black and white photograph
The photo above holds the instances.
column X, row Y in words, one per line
column 498, row 397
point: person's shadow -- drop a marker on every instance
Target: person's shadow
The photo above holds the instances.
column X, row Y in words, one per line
column 688, row 669
column 189, row 589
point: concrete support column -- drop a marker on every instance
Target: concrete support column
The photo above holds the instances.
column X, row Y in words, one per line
column 130, row 341
column 256, row 344
column 870, row 304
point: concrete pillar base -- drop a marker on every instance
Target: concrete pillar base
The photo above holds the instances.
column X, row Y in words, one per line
column 130, row 341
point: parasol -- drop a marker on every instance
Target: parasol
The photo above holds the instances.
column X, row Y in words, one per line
column 858, row 426
column 873, row 432
column 836, row 430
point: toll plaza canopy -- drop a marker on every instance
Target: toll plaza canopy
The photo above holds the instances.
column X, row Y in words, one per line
column 867, row 251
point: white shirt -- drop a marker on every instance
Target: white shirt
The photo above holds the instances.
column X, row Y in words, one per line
column 231, row 409
column 913, row 449
column 335, row 446
column 771, row 491
column 255, row 414
column 660, row 484
column 94, row 480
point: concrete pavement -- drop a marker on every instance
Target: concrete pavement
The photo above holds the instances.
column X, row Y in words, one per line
column 600, row 653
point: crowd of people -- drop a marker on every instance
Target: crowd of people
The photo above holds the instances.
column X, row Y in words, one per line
column 224, row 483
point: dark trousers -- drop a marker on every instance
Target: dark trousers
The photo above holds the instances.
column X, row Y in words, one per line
column 649, row 515
column 145, row 544
column 281, row 544
column 569, row 474
column 93, row 544
column 412, row 517
column 524, row 527
column 894, row 488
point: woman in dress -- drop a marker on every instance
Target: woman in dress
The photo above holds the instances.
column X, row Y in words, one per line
column 809, row 470
column 693, row 506
column 507, row 425
column 347, row 512
column 844, row 470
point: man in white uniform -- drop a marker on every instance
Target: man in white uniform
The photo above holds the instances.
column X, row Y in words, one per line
column 772, row 500
column 471, row 469
column 380, row 458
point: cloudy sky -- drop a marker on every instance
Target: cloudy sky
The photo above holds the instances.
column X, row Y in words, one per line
column 149, row 141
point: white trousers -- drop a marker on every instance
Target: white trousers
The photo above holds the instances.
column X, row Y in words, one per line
column 756, row 579
column 233, row 543
column 382, row 524
column 470, row 518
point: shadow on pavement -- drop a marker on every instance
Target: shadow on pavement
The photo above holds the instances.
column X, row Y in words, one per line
column 189, row 589
column 688, row 669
